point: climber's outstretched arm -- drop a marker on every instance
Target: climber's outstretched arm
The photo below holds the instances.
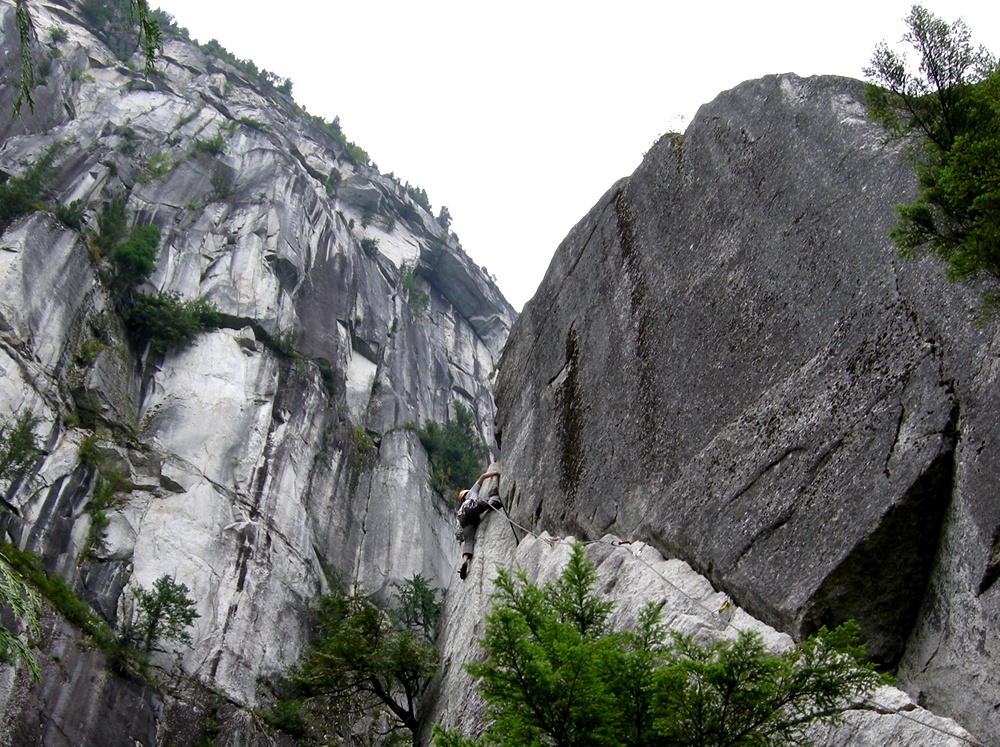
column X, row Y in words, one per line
column 486, row 476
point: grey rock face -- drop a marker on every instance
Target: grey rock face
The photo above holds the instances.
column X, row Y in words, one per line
column 252, row 474
column 631, row 575
column 77, row 691
column 806, row 420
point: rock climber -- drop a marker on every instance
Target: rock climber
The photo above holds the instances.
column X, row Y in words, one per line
column 470, row 513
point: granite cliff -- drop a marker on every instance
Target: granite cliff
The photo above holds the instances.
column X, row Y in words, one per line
column 806, row 420
column 272, row 454
column 798, row 424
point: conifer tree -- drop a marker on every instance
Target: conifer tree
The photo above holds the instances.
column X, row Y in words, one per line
column 947, row 113
column 556, row 674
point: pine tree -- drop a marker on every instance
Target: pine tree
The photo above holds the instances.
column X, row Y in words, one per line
column 947, row 113
column 556, row 674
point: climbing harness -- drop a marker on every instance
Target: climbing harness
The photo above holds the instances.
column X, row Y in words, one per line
column 723, row 613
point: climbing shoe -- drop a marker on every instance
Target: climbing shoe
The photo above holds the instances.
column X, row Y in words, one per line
column 464, row 570
column 495, row 503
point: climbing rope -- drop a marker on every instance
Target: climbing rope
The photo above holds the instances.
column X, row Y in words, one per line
column 717, row 614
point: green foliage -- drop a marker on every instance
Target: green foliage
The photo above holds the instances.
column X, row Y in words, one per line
column 162, row 614
column 419, row 196
column 735, row 692
column 89, row 350
column 264, row 77
column 556, row 674
column 59, row 594
column 18, row 448
column 948, row 115
column 157, row 165
column 444, row 218
column 58, row 34
column 418, row 298
column 357, row 154
column 89, row 411
column 215, row 146
column 369, row 246
column 131, row 253
column 148, row 34
column 222, row 184
column 70, row 215
column 364, row 660
column 546, row 678
column 164, row 321
column 118, row 21
column 44, row 68
column 283, row 343
column 333, row 182
column 133, row 260
column 96, row 537
column 363, row 450
column 25, row 31
column 19, row 603
column 88, row 453
column 418, row 606
column 21, row 194
column 99, row 12
column 455, row 450
column 112, row 225
column 131, row 138
column 328, row 375
column 254, row 124
column 109, row 488
column 932, row 102
column 289, row 716
column 331, row 129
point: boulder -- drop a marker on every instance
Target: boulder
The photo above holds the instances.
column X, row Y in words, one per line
column 804, row 418
column 630, row 575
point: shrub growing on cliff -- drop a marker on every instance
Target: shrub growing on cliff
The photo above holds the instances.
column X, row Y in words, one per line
column 57, row 592
column 70, row 215
column 130, row 253
column 417, row 297
column 948, row 114
column 214, row 146
column 418, row 606
column 369, row 245
column 21, row 194
column 455, row 450
column 419, row 196
column 556, row 674
column 133, row 260
column 112, row 225
column 164, row 321
column 364, row 453
column 18, row 448
column 162, row 614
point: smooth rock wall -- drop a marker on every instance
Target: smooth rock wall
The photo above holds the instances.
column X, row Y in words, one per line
column 805, row 419
column 245, row 452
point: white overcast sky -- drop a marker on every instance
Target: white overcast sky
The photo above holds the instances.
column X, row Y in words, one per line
column 519, row 115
